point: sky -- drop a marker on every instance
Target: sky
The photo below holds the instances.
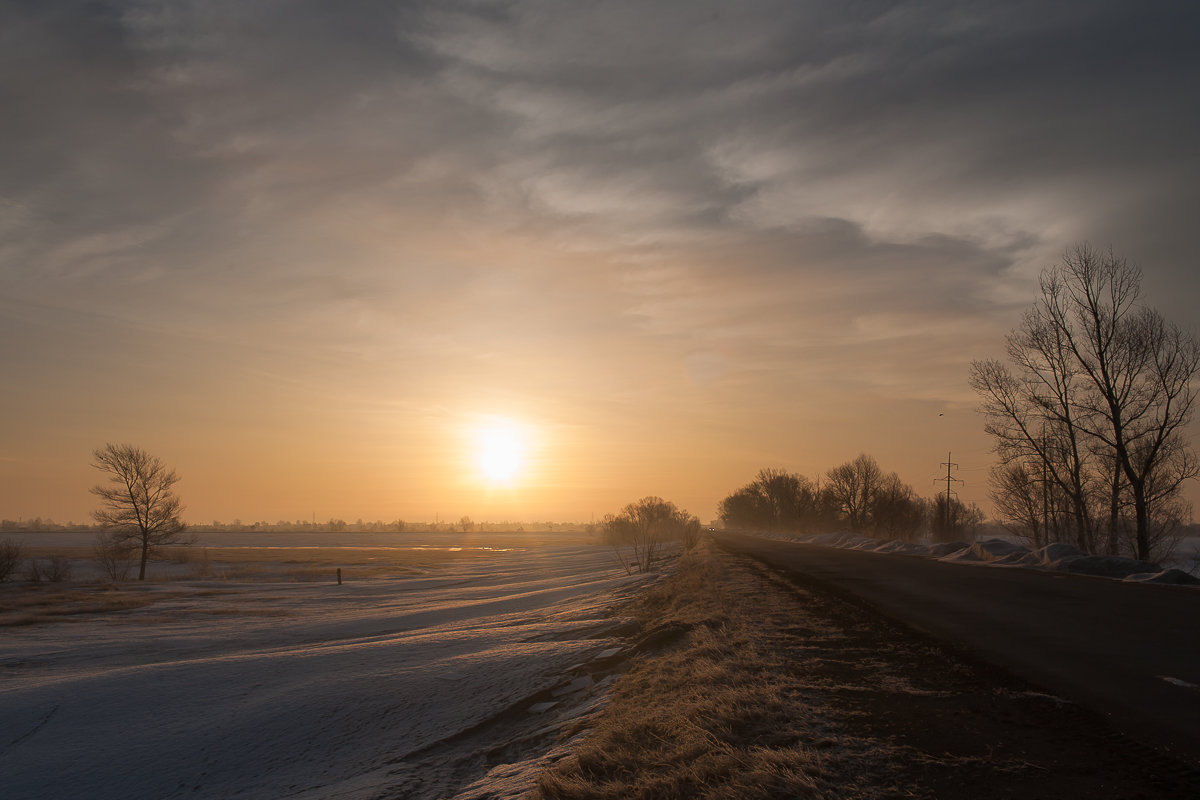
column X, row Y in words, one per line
column 315, row 256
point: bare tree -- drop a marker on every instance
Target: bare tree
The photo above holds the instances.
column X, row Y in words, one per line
column 138, row 505
column 1102, row 398
column 1033, row 420
column 853, row 487
column 645, row 527
column 953, row 519
column 774, row 500
column 1140, row 368
column 896, row 511
column 1016, row 501
column 746, row 507
column 868, row 499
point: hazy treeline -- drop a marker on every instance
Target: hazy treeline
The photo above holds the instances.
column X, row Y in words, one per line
column 43, row 524
column 334, row 525
column 857, row 495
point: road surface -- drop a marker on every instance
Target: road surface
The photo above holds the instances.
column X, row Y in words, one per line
column 1128, row 650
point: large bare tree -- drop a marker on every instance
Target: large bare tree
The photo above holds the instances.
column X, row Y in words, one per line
column 138, row 504
column 870, row 500
column 853, row 487
column 1101, row 396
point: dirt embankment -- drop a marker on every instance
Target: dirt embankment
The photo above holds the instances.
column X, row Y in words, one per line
column 746, row 685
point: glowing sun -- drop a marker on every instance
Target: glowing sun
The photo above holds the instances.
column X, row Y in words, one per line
column 500, row 450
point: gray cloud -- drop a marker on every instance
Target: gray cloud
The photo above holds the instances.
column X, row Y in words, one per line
column 733, row 188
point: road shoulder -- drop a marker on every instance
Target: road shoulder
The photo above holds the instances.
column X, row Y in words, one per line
column 747, row 684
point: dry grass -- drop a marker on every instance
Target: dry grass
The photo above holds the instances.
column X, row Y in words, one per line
column 266, row 564
column 27, row 603
column 782, row 690
column 716, row 715
column 51, row 552
column 333, row 556
column 37, row 604
column 42, row 604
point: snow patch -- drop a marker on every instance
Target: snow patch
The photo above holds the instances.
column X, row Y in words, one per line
column 1003, row 553
column 990, row 550
column 1108, row 566
column 1176, row 577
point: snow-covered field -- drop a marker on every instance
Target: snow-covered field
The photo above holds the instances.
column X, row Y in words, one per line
column 382, row 687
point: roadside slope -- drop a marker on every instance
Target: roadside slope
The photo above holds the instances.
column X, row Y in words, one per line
column 747, row 685
column 1126, row 650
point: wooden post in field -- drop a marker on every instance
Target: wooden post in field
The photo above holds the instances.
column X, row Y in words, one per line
column 339, row 576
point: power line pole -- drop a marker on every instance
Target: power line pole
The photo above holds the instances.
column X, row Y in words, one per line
column 948, row 464
column 950, row 480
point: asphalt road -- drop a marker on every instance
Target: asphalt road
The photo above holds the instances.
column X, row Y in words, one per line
column 1128, row 650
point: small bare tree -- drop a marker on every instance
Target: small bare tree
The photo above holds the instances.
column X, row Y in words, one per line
column 951, row 519
column 1022, row 502
column 57, row 569
column 644, row 527
column 139, row 506
column 897, row 512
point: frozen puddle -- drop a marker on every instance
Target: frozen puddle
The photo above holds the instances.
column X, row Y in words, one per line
column 406, row 687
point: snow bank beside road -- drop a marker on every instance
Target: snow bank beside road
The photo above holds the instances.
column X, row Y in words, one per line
column 1003, row 553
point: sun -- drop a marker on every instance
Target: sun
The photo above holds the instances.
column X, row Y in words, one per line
column 500, row 448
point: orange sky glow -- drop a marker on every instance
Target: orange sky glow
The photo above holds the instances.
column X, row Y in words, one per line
column 310, row 271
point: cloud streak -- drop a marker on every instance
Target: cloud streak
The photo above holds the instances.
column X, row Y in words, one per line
column 593, row 211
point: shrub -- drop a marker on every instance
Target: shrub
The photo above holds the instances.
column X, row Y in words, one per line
column 10, row 559
column 54, row 569
column 57, row 569
column 115, row 556
column 178, row 555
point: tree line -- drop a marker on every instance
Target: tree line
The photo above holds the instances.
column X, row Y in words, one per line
column 857, row 495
